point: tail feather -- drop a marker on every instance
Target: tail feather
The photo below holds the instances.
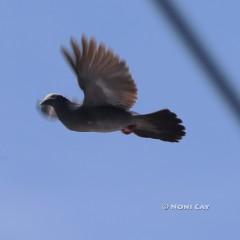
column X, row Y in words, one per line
column 163, row 125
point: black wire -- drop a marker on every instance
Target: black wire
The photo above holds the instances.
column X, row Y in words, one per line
column 217, row 77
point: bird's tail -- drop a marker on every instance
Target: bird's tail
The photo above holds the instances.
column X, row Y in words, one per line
column 163, row 125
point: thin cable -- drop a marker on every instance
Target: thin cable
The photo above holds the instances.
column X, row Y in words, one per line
column 216, row 76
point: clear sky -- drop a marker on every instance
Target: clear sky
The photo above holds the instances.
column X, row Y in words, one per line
column 57, row 184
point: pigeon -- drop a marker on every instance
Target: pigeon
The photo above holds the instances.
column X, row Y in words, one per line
column 109, row 94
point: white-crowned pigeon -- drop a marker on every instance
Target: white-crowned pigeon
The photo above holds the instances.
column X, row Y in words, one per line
column 109, row 93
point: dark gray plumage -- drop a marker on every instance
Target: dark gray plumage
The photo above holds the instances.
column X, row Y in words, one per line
column 109, row 93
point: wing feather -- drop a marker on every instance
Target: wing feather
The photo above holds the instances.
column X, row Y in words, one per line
column 103, row 76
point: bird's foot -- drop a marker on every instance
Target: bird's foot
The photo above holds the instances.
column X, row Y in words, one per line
column 129, row 129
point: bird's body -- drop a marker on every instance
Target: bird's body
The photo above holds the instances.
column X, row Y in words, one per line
column 109, row 93
column 93, row 119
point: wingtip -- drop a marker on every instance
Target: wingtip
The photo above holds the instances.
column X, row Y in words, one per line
column 84, row 39
column 63, row 50
column 65, row 53
column 73, row 41
column 84, row 36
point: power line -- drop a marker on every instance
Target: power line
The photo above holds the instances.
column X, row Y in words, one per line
column 216, row 76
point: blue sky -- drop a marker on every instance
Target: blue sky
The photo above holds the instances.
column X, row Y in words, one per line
column 57, row 184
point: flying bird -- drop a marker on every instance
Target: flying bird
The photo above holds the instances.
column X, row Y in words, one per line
column 109, row 93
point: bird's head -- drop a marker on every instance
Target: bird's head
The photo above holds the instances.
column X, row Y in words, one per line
column 53, row 100
column 50, row 104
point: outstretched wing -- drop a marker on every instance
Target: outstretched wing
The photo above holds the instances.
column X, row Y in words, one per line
column 102, row 75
